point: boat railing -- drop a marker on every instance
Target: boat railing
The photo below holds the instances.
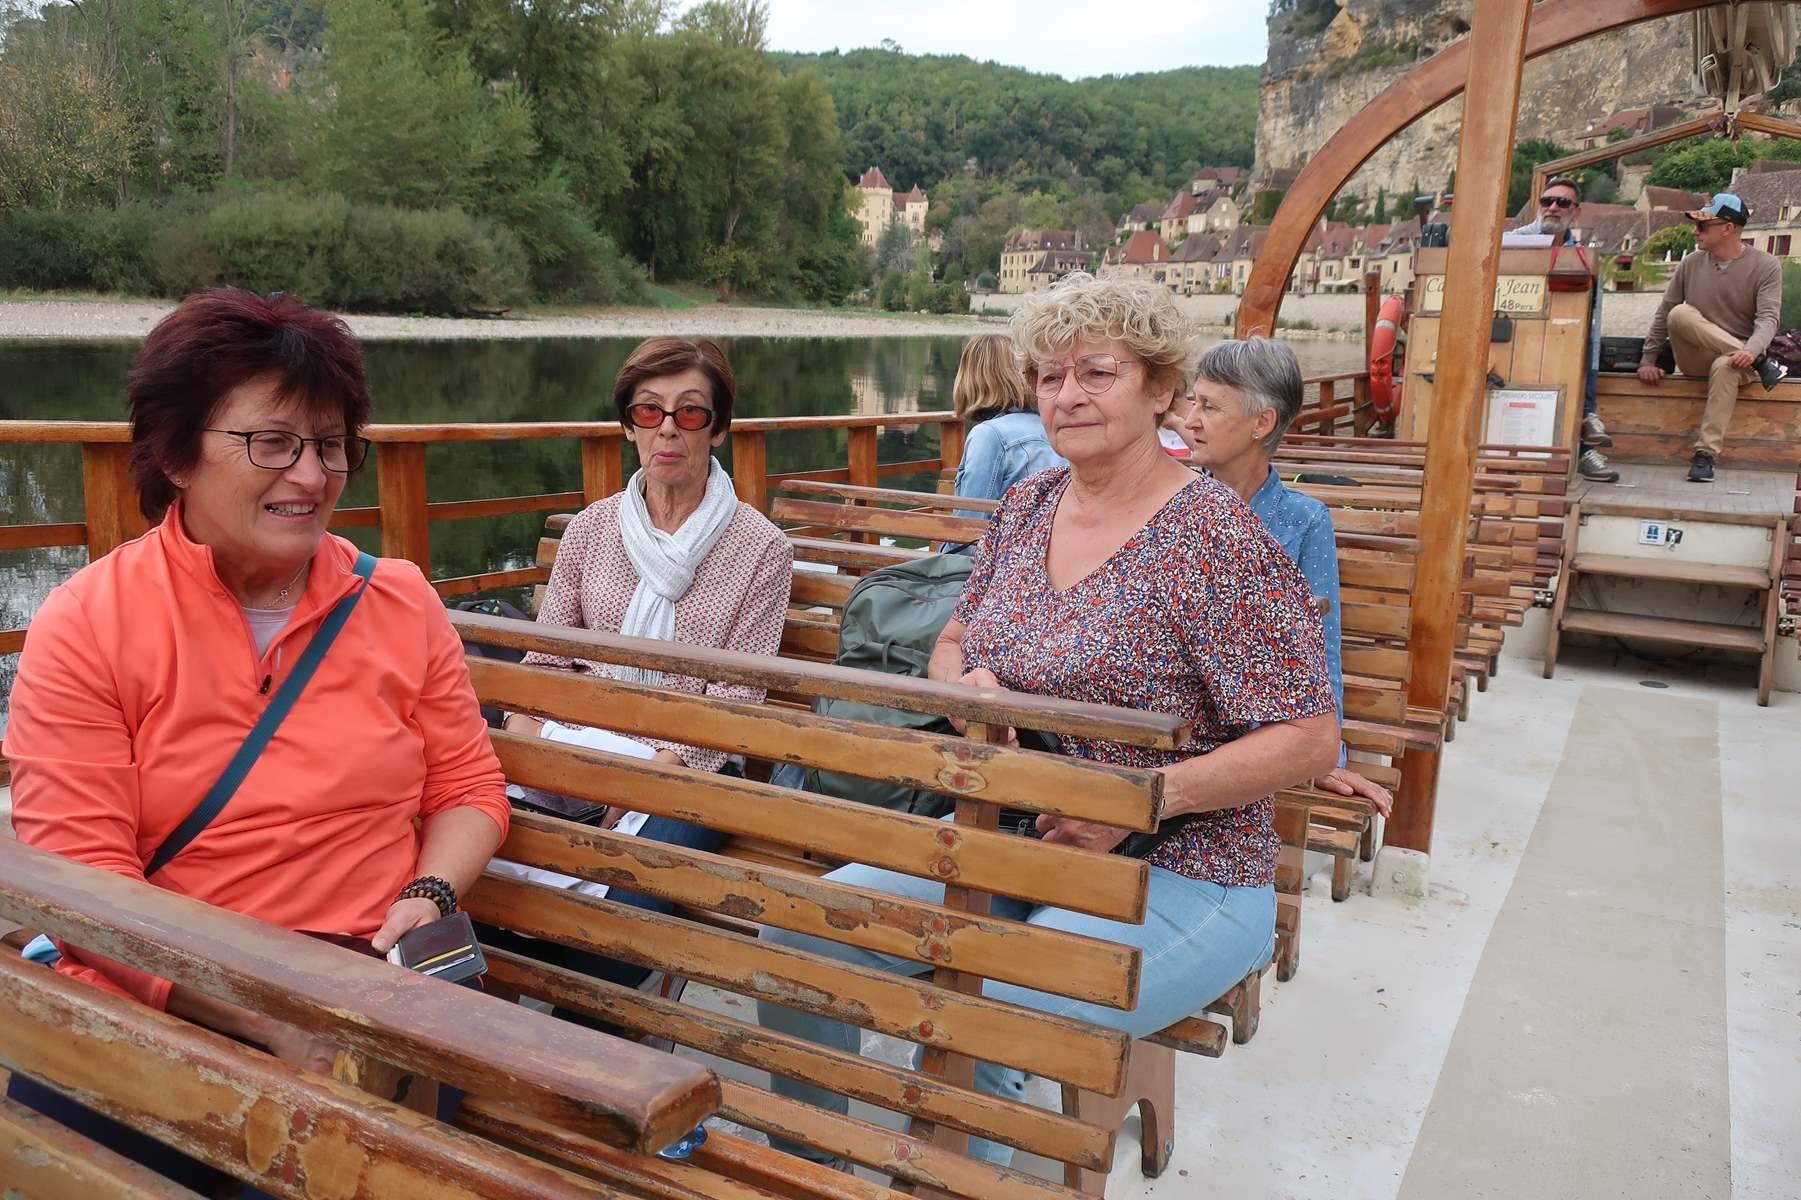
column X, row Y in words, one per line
column 404, row 512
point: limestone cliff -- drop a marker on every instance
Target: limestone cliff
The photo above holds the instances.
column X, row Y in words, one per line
column 1315, row 81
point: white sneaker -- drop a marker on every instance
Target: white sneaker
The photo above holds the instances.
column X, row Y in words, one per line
column 1593, row 465
column 1593, row 432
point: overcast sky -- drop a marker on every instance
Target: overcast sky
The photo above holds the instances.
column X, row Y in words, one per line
column 1072, row 38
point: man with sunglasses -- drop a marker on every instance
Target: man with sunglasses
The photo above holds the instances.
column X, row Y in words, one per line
column 1559, row 209
column 1720, row 311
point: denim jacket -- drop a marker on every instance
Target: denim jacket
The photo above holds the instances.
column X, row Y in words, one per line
column 1001, row 451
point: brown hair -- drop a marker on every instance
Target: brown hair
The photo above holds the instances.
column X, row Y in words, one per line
column 216, row 341
column 660, row 356
column 988, row 379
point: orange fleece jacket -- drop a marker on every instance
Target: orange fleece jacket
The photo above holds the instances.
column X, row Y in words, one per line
column 139, row 681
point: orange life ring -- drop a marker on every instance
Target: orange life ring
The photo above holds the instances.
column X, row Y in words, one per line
column 1385, row 394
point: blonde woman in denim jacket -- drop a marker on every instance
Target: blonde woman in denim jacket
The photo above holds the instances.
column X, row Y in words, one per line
column 1004, row 439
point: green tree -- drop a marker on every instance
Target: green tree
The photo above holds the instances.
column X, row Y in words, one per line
column 63, row 129
column 1347, row 208
column 1669, row 244
column 1380, row 215
column 1263, row 209
column 1705, row 166
column 1526, row 157
column 410, row 122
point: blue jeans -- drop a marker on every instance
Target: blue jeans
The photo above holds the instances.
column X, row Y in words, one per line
column 1198, row 940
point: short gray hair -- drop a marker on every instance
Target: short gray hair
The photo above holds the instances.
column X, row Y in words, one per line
column 1265, row 375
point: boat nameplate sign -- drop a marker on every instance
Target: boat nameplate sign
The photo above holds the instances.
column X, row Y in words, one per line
column 1515, row 295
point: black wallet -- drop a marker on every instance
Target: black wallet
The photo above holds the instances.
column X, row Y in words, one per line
column 446, row 949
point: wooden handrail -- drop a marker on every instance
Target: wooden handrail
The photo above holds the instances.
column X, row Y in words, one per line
column 404, row 513
column 79, row 432
column 615, row 1091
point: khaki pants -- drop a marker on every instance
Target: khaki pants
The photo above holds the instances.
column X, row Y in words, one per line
column 1703, row 348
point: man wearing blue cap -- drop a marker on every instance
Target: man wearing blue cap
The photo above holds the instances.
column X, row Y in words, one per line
column 1720, row 311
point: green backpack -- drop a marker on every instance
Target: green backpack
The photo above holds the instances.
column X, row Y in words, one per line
column 891, row 622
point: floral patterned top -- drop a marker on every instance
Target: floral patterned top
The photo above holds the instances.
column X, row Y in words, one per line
column 1199, row 615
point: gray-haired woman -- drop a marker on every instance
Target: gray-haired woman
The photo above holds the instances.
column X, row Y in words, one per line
column 1246, row 395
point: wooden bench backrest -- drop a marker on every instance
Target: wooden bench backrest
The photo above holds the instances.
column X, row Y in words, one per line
column 970, row 855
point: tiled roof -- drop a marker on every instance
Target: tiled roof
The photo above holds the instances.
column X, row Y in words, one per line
column 1197, row 247
column 1180, row 207
column 1043, row 239
column 902, row 199
column 1145, row 246
column 873, row 178
column 1673, row 198
column 1765, row 195
column 1058, row 262
column 1246, row 241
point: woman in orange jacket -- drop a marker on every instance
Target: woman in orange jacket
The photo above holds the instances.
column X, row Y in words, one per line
column 377, row 799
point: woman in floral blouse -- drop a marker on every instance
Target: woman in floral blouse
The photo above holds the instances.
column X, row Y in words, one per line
column 1126, row 579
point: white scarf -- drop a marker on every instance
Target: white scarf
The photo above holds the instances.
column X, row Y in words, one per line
column 666, row 562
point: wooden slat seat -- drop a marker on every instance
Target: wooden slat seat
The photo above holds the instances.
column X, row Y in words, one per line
column 959, row 942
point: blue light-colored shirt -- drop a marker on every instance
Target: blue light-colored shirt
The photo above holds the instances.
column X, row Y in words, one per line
column 1303, row 526
column 1001, row 451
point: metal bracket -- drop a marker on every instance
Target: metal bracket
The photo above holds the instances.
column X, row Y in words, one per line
column 1786, row 626
column 1544, row 597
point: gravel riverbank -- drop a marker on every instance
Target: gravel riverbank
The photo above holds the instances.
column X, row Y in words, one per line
column 111, row 319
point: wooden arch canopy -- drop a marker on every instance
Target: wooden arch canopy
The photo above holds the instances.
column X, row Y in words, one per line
column 1555, row 24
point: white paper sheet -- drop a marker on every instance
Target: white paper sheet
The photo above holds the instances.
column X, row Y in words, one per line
column 627, row 826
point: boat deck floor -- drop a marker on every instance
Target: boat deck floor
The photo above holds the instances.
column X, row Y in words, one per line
column 1599, row 997
column 1733, row 490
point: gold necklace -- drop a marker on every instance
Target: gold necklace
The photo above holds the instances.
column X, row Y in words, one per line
column 282, row 595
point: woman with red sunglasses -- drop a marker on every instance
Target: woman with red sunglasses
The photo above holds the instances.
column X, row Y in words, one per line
column 674, row 556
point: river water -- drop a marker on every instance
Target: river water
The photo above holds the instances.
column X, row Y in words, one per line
column 552, row 379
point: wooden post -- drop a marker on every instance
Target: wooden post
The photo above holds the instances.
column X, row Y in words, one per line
column 1484, row 155
column 603, row 468
column 862, row 450
column 1362, row 419
column 950, row 445
column 750, row 467
column 110, row 504
column 400, row 489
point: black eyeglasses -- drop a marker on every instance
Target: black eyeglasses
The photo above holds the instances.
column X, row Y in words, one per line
column 277, row 449
column 646, row 415
column 1556, row 202
column 1094, row 373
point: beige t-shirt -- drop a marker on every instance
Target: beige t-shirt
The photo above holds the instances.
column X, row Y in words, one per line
column 1743, row 297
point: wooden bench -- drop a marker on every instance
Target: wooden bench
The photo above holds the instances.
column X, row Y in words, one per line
column 768, row 873
column 282, row 1129
column 1379, row 721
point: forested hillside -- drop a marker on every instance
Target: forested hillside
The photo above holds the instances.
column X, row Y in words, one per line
column 462, row 155
column 927, row 118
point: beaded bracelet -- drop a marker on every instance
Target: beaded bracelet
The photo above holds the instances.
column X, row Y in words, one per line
column 431, row 887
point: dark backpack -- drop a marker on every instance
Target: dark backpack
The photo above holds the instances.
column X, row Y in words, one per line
column 891, row 622
column 1785, row 348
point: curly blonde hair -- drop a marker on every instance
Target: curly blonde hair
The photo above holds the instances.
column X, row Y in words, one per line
column 1139, row 313
column 988, row 379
